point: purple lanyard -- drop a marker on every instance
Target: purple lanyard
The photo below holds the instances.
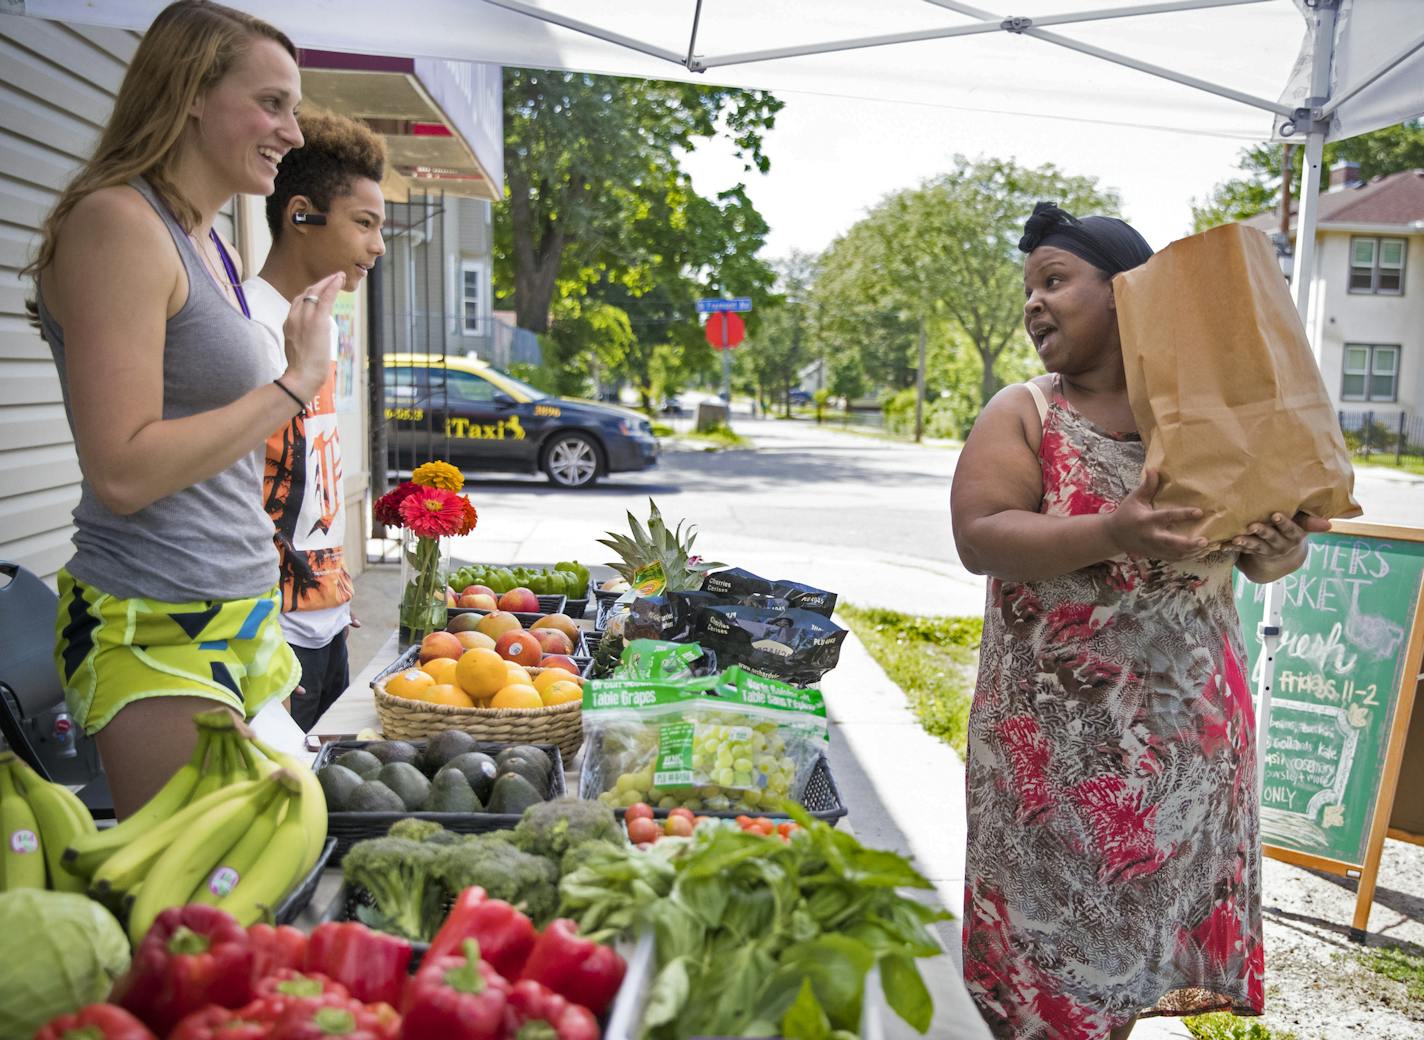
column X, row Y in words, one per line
column 231, row 273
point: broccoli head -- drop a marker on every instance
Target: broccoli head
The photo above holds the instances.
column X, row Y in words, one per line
column 552, row 828
column 399, row 876
column 415, row 829
column 529, row 882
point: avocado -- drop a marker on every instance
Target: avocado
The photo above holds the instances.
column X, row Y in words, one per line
column 450, row 792
column 513, row 794
column 528, row 751
column 337, row 783
column 362, row 763
column 407, row 782
column 479, row 769
column 444, row 746
column 374, row 796
column 530, row 770
column 389, row 751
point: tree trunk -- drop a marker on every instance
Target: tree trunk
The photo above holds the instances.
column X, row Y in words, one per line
column 989, row 383
column 536, row 263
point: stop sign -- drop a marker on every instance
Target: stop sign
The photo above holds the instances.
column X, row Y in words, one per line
column 725, row 330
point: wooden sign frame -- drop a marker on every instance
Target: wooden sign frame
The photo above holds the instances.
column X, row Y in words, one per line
column 1410, row 676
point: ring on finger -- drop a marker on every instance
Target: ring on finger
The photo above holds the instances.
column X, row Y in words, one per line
column 311, row 299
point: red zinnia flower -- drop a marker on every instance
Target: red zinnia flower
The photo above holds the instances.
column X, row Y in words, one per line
column 468, row 521
column 386, row 511
column 433, row 512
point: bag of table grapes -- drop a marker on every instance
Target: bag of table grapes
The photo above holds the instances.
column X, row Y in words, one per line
column 734, row 742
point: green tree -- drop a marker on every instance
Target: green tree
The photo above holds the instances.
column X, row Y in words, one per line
column 782, row 345
column 1385, row 151
column 588, row 162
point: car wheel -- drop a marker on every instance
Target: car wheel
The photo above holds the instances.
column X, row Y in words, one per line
column 571, row 460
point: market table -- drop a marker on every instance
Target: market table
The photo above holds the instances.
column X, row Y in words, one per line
column 355, row 710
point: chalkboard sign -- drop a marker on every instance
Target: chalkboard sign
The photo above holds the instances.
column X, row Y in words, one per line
column 1348, row 635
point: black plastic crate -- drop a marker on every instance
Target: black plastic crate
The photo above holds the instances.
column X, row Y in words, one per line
column 347, row 828
column 547, row 605
column 297, row 899
column 603, row 602
column 704, row 665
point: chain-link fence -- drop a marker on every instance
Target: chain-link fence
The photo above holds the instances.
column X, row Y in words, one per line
column 1384, row 438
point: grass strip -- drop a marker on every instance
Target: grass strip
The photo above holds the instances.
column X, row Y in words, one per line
column 933, row 659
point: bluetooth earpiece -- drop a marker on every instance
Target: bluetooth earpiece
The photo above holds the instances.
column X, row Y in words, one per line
column 303, row 217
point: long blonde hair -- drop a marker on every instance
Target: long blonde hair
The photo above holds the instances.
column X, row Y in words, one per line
column 187, row 50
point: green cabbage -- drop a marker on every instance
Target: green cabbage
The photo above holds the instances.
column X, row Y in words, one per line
column 60, row 951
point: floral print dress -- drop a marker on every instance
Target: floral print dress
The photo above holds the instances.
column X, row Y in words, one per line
column 1113, row 864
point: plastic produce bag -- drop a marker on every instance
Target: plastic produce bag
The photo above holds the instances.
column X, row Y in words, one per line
column 793, row 646
column 658, row 659
column 733, row 742
column 737, row 585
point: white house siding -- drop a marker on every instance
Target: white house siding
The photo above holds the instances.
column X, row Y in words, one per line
column 57, row 87
column 1343, row 317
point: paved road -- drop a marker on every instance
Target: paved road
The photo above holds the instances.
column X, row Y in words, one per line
column 865, row 517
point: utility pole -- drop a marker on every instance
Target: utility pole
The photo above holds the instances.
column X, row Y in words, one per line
column 920, row 387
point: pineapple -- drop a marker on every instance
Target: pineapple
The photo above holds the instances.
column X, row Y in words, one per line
column 655, row 553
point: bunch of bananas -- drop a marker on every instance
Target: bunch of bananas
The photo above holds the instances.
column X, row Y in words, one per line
column 236, row 827
column 38, row 820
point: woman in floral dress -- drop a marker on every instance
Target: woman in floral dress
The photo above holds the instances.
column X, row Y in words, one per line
column 1113, row 866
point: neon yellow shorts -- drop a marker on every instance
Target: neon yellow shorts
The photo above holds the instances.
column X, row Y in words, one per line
column 111, row 652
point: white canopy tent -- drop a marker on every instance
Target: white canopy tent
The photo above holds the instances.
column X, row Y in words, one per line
column 1208, row 66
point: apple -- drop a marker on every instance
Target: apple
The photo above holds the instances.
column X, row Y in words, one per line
column 559, row 661
column 552, row 641
column 497, row 624
column 560, row 622
column 440, row 644
column 478, row 601
column 520, row 599
column 478, row 590
column 520, row 647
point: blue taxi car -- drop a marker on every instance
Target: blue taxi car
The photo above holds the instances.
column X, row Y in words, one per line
column 493, row 421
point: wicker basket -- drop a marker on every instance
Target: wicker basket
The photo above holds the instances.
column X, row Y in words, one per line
column 403, row 719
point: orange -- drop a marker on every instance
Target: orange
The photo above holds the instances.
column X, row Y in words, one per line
column 447, row 693
column 561, row 693
column 516, row 673
column 413, row 683
column 481, row 672
column 441, row 669
column 549, row 676
column 517, row 695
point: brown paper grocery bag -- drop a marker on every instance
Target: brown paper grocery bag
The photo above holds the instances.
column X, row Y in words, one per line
column 1224, row 387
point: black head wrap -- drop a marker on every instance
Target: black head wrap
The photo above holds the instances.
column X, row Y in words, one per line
column 1107, row 243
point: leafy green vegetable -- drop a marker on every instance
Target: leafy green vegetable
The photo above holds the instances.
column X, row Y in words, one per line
column 61, row 951
column 785, row 933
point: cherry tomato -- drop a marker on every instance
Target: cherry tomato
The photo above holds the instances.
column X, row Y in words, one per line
column 642, row 830
column 742, row 821
column 785, row 829
column 679, row 826
column 701, row 820
column 638, row 811
column 762, row 826
column 682, row 810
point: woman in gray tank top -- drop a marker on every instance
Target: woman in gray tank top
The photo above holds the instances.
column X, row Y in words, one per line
column 168, row 604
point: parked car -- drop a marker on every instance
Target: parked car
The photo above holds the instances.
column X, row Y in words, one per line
column 487, row 419
column 799, row 396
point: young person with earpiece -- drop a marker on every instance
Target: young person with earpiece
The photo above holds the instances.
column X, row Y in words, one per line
column 325, row 214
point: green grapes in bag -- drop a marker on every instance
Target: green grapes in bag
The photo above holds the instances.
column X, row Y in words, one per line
column 734, row 742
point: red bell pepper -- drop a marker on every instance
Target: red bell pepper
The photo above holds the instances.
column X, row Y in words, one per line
column 505, row 935
column 96, row 1022
column 281, row 990
column 275, row 948
column 458, row 997
column 372, row 965
column 541, row 1014
column 191, row 957
column 574, row 967
column 344, row 1018
column 220, row 1023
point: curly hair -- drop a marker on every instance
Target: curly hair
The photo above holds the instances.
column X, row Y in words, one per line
column 336, row 150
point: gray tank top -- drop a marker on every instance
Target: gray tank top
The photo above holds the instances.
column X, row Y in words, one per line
column 212, row 540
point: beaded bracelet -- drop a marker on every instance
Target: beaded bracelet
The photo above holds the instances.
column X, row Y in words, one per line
column 286, row 390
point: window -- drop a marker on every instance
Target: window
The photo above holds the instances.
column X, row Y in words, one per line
column 467, row 386
column 1371, row 373
column 1377, row 265
column 405, row 384
column 472, row 289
